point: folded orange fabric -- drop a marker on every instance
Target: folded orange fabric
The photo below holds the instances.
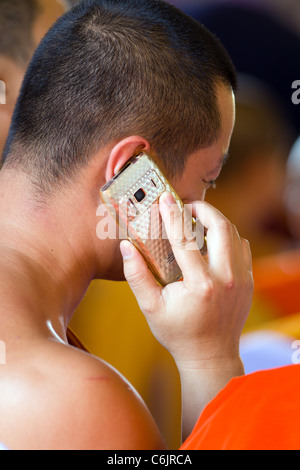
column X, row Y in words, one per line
column 260, row 411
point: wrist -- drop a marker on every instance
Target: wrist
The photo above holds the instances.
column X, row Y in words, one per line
column 210, row 354
column 232, row 365
column 201, row 381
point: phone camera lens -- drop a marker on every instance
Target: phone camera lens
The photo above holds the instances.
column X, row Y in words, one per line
column 140, row 195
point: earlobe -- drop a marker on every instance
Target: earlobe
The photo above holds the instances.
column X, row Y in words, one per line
column 122, row 152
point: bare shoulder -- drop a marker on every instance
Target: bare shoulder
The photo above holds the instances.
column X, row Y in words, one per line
column 100, row 409
column 104, row 410
column 72, row 400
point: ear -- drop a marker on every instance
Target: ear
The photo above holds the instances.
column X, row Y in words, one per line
column 122, row 152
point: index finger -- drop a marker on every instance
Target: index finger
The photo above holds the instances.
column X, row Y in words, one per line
column 220, row 237
column 182, row 239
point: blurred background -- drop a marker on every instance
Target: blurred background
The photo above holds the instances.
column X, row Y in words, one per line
column 259, row 191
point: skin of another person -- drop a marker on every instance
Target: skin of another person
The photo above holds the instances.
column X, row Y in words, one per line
column 12, row 73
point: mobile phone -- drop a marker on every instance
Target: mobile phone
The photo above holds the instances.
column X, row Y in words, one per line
column 132, row 197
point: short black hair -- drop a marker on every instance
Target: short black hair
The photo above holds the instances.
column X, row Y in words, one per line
column 113, row 68
column 16, row 23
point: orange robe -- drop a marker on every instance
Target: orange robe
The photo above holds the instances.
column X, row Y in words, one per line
column 260, row 411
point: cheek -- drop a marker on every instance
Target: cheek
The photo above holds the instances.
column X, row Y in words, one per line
column 195, row 194
column 190, row 189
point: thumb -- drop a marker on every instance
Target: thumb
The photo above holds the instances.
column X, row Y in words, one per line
column 140, row 279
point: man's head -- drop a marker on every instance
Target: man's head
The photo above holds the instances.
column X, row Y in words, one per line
column 110, row 69
column 23, row 23
column 113, row 77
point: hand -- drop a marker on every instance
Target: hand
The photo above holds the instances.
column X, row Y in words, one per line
column 199, row 320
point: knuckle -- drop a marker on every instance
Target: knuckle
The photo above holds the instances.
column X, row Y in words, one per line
column 230, row 278
column 236, row 232
column 136, row 279
column 246, row 242
column 235, row 229
column 175, row 214
column 230, row 283
column 225, row 225
column 184, row 242
column 207, row 288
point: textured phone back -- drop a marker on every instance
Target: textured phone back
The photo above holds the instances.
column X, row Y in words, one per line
column 140, row 221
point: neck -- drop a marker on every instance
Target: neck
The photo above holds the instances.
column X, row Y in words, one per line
column 45, row 267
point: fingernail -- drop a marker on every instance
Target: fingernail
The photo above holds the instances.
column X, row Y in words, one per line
column 167, row 198
column 126, row 250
